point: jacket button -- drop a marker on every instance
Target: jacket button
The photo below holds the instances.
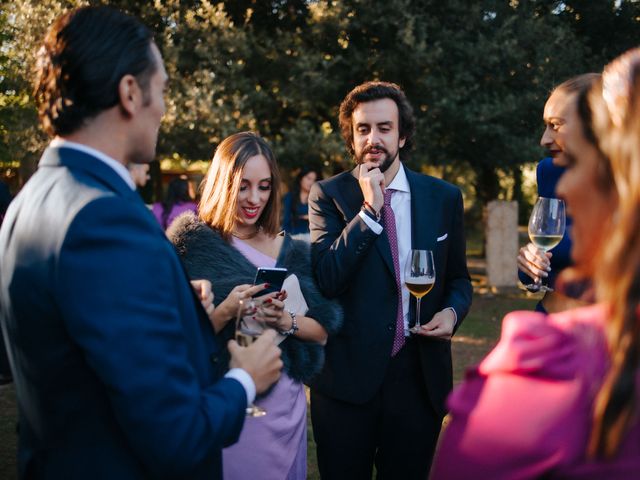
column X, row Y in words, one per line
column 390, row 327
column 214, row 359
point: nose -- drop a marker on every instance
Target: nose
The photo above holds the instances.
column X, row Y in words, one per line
column 547, row 138
column 254, row 196
column 373, row 137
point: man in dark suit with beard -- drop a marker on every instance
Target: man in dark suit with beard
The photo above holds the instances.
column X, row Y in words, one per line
column 113, row 356
column 380, row 397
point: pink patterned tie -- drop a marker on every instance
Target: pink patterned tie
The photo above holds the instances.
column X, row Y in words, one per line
column 390, row 224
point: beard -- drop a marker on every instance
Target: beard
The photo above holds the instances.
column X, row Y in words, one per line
column 386, row 162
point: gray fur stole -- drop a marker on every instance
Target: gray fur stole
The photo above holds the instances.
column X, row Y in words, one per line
column 207, row 255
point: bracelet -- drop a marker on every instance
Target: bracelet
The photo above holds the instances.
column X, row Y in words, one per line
column 294, row 325
column 370, row 211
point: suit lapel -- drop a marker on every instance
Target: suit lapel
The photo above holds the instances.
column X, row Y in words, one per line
column 424, row 210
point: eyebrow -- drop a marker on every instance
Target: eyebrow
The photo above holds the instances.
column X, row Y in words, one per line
column 266, row 179
column 386, row 123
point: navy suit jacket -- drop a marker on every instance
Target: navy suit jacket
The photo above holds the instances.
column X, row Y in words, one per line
column 354, row 264
column 113, row 356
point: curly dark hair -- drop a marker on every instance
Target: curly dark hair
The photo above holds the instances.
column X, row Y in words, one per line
column 368, row 92
column 84, row 56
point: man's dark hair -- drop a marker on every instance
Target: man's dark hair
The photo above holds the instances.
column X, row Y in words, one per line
column 84, row 56
column 368, row 92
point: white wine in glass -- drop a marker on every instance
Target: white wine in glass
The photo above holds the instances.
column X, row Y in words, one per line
column 419, row 277
column 546, row 229
column 248, row 329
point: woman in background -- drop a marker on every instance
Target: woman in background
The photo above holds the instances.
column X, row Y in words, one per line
column 558, row 396
column 177, row 201
column 238, row 231
column 532, row 262
column 295, row 208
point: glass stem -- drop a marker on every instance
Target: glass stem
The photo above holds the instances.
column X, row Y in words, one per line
column 419, row 299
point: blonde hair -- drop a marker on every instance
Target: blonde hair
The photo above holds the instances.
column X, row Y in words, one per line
column 221, row 186
column 615, row 122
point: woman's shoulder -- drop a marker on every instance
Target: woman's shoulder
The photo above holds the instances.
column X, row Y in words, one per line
column 187, row 228
column 556, row 346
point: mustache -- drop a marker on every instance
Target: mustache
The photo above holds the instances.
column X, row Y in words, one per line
column 370, row 148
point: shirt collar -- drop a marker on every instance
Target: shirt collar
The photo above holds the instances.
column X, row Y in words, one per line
column 400, row 182
column 119, row 168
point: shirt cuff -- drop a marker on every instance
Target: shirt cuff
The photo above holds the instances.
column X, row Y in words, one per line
column 245, row 380
column 373, row 225
column 455, row 315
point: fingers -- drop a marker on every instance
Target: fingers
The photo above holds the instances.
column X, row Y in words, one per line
column 369, row 168
column 534, row 262
column 261, row 360
column 247, row 291
column 435, row 331
column 202, row 288
column 440, row 326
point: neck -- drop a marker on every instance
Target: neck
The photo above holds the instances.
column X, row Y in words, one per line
column 246, row 233
column 106, row 133
column 391, row 172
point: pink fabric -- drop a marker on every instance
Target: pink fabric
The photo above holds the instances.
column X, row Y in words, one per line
column 390, row 225
column 273, row 446
column 525, row 411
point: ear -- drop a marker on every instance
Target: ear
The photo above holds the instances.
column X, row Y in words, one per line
column 402, row 141
column 130, row 95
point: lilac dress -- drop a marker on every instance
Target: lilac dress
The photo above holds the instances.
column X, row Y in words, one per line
column 273, row 446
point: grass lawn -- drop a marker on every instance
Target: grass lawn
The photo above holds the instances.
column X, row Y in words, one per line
column 476, row 336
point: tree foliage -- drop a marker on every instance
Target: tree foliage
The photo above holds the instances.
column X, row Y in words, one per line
column 477, row 74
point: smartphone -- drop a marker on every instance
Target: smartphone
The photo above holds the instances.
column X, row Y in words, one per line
column 273, row 276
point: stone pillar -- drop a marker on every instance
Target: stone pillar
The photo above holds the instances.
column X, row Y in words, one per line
column 502, row 243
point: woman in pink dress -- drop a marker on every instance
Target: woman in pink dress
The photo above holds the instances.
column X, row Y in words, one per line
column 237, row 231
column 558, row 396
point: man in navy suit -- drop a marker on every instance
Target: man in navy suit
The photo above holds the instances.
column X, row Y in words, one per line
column 114, row 357
column 380, row 397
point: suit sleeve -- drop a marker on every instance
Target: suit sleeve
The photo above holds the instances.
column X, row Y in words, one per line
column 129, row 298
column 337, row 248
column 458, row 289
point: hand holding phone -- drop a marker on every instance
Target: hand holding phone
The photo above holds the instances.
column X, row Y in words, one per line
column 274, row 276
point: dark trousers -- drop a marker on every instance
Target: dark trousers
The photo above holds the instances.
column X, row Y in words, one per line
column 5, row 371
column 397, row 430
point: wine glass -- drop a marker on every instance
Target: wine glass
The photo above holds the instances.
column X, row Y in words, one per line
column 419, row 277
column 248, row 329
column 546, row 228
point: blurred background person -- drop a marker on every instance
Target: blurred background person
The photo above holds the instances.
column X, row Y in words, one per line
column 532, row 262
column 558, row 396
column 238, row 230
column 295, row 207
column 178, row 200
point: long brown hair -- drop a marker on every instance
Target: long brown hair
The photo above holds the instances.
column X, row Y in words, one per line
column 613, row 112
column 220, row 189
